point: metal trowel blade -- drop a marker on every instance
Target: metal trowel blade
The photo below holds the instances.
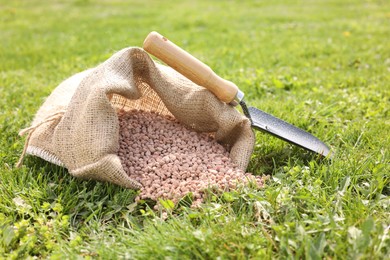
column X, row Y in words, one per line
column 283, row 130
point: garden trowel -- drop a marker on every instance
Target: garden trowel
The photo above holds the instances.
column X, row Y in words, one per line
column 228, row 92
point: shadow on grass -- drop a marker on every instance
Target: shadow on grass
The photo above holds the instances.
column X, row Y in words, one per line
column 268, row 162
column 82, row 200
column 56, row 175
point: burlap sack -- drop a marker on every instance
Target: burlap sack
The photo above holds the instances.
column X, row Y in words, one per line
column 77, row 126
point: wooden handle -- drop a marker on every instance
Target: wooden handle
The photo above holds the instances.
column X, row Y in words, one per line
column 190, row 67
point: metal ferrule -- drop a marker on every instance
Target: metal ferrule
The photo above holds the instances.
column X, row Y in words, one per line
column 239, row 96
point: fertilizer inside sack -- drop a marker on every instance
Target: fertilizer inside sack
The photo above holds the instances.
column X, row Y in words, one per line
column 171, row 161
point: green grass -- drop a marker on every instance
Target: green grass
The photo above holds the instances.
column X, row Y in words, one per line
column 321, row 65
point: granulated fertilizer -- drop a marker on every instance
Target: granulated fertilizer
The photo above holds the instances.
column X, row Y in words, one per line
column 170, row 160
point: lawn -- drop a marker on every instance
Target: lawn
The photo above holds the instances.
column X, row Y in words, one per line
column 323, row 65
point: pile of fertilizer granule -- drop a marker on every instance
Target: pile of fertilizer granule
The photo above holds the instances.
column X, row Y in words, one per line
column 171, row 161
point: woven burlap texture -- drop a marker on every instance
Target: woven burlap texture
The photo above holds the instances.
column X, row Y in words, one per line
column 77, row 126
